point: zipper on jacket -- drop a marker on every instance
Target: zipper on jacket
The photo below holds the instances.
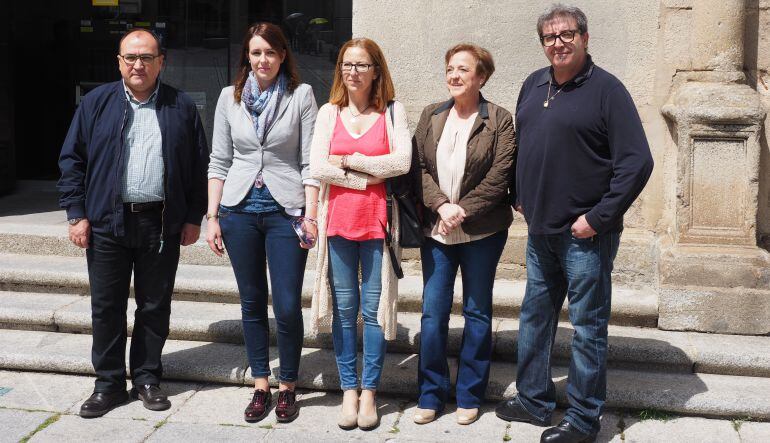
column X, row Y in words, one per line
column 165, row 171
column 119, row 169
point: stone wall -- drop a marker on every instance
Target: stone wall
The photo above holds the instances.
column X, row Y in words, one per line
column 644, row 43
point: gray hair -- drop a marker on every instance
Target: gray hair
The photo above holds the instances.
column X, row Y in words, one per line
column 559, row 10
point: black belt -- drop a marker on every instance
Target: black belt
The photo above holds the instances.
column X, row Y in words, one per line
column 141, row 207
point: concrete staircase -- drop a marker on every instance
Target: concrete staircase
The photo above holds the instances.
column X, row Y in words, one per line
column 45, row 322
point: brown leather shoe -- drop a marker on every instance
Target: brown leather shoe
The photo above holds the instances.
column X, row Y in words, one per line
column 286, row 410
column 258, row 407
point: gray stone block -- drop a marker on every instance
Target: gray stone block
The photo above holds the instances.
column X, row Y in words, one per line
column 732, row 354
column 33, row 311
column 685, row 429
column 204, row 361
column 631, row 306
column 44, row 391
column 706, row 394
column 70, row 428
column 192, row 432
column 217, row 405
column 719, row 310
column 16, row 424
column 753, row 431
column 45, row 351
column 632, row 347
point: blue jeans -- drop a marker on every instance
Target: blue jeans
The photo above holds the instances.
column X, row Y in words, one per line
column 251, row 240
column 344, row 257
column 560, row 265
column 478, row 262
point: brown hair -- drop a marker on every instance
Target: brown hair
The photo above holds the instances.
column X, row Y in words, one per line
column 382, row 86
column 485, row 65
column 275, row 38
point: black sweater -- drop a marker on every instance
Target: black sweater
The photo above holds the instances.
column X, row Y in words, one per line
column 586, row 153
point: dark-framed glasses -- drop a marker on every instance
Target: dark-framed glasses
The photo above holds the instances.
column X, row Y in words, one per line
column 358, row 67
column 564, row 36
column 146, row 59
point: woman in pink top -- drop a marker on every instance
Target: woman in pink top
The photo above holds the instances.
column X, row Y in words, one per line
column 357, row 143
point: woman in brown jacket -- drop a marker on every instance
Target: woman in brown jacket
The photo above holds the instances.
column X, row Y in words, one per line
column 466, row 148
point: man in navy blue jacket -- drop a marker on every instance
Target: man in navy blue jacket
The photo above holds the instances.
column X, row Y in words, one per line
column 133, row 183
column 582, row 160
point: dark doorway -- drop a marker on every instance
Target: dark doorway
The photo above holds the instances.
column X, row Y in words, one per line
column 58, row 51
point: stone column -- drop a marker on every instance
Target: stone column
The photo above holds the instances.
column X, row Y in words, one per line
column 713, row 276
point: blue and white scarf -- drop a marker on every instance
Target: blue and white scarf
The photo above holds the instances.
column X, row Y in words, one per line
column 263, row 105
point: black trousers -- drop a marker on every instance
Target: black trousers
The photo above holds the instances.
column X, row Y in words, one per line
column 111, row 260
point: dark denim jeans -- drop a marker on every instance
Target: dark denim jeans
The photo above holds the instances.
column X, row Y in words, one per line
column 477, row 261
column 344, row 257
column 560, row 265
column 251, row 240
column 111, row 260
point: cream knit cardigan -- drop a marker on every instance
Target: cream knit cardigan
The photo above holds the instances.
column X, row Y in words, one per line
column 390, row 165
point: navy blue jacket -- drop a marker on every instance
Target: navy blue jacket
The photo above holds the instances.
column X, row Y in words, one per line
column 586, row 153
column 92, row 160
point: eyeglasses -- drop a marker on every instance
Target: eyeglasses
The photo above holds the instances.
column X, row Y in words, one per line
column 564, row 36
column 130, row 59
column 358, row 67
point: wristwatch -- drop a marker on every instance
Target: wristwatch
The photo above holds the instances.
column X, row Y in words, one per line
column 74, row 221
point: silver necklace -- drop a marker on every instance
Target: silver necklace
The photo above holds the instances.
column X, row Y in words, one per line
column 550, row 97
column 354, row 117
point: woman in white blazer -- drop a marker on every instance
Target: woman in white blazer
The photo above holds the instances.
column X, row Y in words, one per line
column 259, row 186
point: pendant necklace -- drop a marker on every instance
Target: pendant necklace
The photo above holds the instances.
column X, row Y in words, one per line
column 550, row 97
column 354, row 117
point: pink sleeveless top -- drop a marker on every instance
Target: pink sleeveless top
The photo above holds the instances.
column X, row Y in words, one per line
column 358, row 214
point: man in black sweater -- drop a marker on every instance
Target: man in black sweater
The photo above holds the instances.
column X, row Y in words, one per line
column 582, row 160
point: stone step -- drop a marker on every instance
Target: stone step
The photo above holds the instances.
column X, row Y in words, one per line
column 635, row 263
column 692, row 394
column 52, row 273
column 629, row 347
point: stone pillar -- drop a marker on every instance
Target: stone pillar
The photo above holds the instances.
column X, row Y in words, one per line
column 713, row 276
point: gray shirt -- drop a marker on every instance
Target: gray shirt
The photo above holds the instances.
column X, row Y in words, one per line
column 143, row 151
column 284, row 158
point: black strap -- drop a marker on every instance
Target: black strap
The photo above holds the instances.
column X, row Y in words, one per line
column 389, row 201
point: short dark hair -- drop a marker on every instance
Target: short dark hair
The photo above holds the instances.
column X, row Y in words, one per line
column 485, row 64
column 560, row 10
column 161, row 49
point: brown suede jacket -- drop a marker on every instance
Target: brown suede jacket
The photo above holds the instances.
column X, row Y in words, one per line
column 489, row 167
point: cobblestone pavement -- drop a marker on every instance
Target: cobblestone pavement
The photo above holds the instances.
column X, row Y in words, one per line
column 42, row 407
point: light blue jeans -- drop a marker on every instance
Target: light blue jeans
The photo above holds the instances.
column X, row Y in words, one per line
column 344, row 258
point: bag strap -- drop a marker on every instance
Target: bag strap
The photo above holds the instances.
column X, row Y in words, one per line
column 393, row 259
column 389, row 204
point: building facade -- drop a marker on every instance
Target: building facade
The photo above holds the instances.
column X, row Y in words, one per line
column 698, row 71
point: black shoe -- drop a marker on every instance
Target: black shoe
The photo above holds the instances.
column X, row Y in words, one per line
column 152, row 397
column 512, row 410
column 100, row 403
column 564, row 432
